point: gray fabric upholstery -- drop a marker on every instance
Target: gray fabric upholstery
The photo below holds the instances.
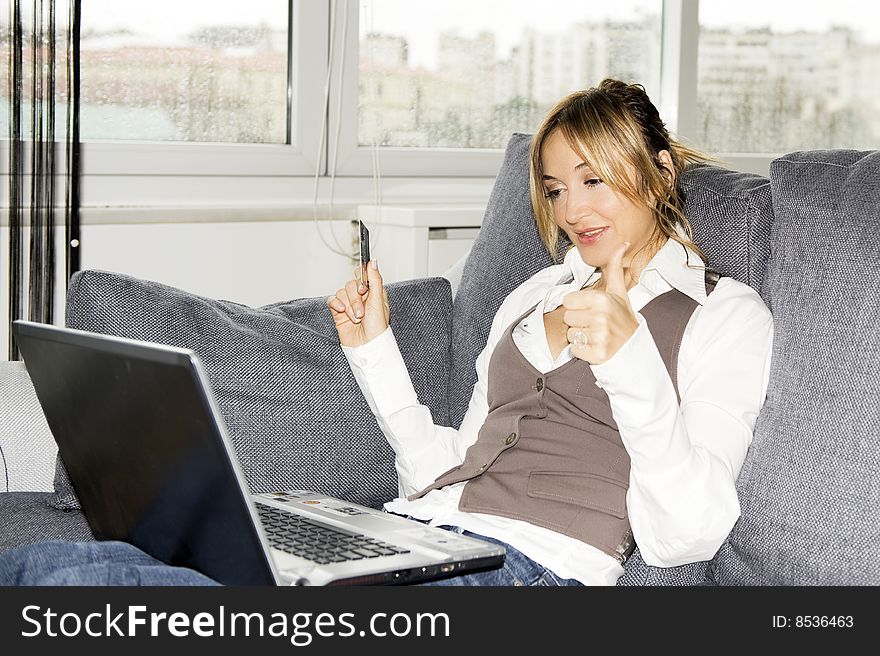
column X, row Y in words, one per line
column 809, row 486
column 27, row 518
column 295, row 414
column 27, row 449
column 731, row 214
column 638, row 573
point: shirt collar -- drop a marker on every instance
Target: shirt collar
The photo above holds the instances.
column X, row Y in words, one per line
column 678, row 265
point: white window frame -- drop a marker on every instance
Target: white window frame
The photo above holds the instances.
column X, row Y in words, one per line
column 296, row 181
column 677, row 105
column 679, row 79
column 353, row 159
column 306, row 79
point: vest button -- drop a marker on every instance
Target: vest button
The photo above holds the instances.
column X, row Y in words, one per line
column 539, row 384
column 510, row 438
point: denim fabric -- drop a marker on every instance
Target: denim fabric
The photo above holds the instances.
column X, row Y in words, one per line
column 518, row 570
column 91, row 563
column 118, row 563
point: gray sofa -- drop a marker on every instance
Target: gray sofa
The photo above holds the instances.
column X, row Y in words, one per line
column 806, row 238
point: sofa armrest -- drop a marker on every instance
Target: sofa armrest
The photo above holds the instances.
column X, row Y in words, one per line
column 27, row 448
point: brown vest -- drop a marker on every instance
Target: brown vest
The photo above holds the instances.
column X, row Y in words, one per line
column 549, row 452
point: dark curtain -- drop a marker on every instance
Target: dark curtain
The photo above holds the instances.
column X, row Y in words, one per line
column 43, row 162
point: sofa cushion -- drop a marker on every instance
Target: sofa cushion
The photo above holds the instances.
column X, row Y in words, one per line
column 27, row 518
column 27, row 448
column 639, row 573
column 731, row 214
column 293, row 410
column 808, row 488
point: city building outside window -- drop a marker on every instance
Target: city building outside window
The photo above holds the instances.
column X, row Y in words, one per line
column 194, row 71
column 783, row 76
column 270, row 94
column 460, row 74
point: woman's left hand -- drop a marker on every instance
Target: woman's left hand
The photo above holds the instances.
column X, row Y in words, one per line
column 600, row 321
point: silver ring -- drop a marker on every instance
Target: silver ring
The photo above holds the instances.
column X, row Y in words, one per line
column 580, row 339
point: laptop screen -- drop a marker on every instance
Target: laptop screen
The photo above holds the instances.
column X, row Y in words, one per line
column 146, row 458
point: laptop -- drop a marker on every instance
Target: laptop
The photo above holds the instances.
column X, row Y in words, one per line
column 148, row 455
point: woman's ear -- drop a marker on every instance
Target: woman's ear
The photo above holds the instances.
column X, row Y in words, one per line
column 665, row 160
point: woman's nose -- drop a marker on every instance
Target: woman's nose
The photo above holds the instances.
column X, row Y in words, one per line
column 577, row 208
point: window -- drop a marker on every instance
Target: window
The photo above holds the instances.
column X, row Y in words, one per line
column 198, row 91
column 200, row 103
column 465, row 75
column 460, row 74
column 194, row 71
column 778, row 77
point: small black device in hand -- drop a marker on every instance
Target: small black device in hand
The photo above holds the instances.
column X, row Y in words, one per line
column 364, row 250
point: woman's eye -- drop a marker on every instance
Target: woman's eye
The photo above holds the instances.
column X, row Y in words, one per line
column 553, row 194
column 592, row 182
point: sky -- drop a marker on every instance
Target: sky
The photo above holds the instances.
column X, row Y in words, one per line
column 508, row 18
column 420, row 20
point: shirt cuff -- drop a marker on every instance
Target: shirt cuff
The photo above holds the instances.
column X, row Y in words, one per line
column 381, row 374
column 614, row 375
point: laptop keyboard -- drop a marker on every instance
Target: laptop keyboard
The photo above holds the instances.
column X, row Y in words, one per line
column 319, row 543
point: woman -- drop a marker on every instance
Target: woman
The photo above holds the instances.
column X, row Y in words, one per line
column 618, row 390
column 616, row 395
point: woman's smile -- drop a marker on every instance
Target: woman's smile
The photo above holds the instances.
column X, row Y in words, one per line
column 591, row 236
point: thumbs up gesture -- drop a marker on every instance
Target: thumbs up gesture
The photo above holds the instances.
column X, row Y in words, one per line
column 600, row 321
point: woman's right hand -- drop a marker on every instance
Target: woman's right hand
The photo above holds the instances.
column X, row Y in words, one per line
column 360, row 314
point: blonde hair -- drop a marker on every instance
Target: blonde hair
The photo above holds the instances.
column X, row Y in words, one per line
column 612, row 127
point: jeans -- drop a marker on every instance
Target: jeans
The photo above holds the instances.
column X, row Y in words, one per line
column 518, row 569
column 91, row 563
column 119, row 563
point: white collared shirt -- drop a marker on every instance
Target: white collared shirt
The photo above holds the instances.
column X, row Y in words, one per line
column 684, row 458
